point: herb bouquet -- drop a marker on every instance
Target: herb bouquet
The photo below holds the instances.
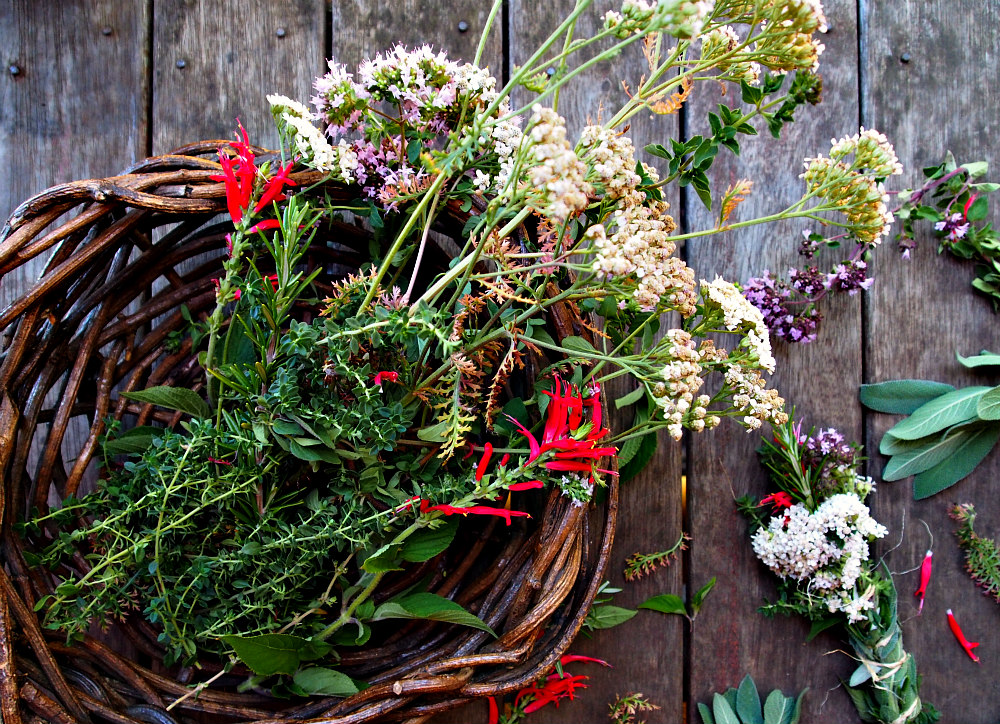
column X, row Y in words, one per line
column 405, row 322
column 816, row 538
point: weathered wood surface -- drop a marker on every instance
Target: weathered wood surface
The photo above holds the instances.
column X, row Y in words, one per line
column 100, row 84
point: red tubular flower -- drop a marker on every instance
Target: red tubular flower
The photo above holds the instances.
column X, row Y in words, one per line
column 777, row 500
column 965, row 643
column 494, row 711
column 273, row 187
column 555, row 688
column 526, row 485
column 484, row 461
column 238, row 175
column 925, row 577
column 425, row 507
column 262, row 226
column 219, row 462
column 381, row 377
column 504, row 460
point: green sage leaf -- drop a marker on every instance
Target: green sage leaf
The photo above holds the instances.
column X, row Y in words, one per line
column 923, row 457
column 172, row 398
column 976, row 445
column 940, row 413
column 901, row 397
column 989, row 405
column 983, row 359
column 748, row 702
column 631, row 398
column 706, row 714
column 777, row 708
column 724, row 713
column 579, row 344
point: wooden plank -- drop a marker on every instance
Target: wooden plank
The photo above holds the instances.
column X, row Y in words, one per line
column 646, row 652
column 730, row 639
column 63, row 112
column 923, row 311
column 214, row 61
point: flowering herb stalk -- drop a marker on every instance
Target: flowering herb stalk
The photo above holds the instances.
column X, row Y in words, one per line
column 816, row 539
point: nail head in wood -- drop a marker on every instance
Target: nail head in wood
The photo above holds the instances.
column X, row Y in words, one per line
column 463, row 27
column 14, row 69
column 904, row 58
column 181, row 64
column 281, row 32
column 106, row 30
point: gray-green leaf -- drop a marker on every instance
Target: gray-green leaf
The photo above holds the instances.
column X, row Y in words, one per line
column 975, row 446
column 748, row 702
column 901, row 397
column 983, row 359
column 942, row 412
column 579, row 344
column 724, row 713
column 989, row 405
column 923, row 457
column 777, row 708
column 172, row 398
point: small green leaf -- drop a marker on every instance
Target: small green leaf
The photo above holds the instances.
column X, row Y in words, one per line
column 706, row 714
column 172, row 398
column 860, row 676
column 820, row 626
column 724, row 713
column 983, row 359
column 383, row 560
column 699, row 596
column 608, row 616
column 270, row 654
column 793, row 718
column 665, row 603
column 631, row 398
column 901, row 397
column 136, row 440
column 976, row 168
column 317, row 680
column 940, row 413
column 989, row 405
column 962, row 462
column 748, row 702
column 431, row 607
column 427, row 543
column 579, row 344
column 433, row 433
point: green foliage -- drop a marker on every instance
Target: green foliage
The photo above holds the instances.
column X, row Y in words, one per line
column 947, row 433
column 742, row 706
column 672, row 604
column 982, row 555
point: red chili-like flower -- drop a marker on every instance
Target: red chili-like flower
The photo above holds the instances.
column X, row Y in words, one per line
column 484, row 461
column 777, row 500
column 238, row 175
column 570, row 658
column 273, row 187
column 262, row 226
column 965, row 643
column 426, row 507
column 925, row 577
column 381, row 377
column 220, row 462
column 494, row 711
column 528, row 485
column 504, row 460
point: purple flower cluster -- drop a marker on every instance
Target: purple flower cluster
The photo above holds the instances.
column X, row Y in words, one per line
column 772, row 298
column 808, row 282
column 849, row 277
column 828, row 452
column 954, row 227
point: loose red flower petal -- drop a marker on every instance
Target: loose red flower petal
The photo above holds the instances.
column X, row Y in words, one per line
column 925, row 577
column 965, row 643
column 484, row 461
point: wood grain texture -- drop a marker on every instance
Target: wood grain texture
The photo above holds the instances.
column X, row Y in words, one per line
column 73, row 91
column 820, row 380
column 650, row 517
column 214, row 61
column 922, row 311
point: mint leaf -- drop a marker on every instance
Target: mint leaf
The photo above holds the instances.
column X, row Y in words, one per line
column 172, row 398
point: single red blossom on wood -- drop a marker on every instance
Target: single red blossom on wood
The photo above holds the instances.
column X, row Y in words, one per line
column 925, row 577
column 570, row 658
column 960, row 637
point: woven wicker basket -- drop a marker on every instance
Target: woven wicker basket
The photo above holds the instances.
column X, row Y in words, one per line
column 124, row 254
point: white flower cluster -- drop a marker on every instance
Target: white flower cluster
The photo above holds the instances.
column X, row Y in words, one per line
column 612, row 157
column 680, row 18
column 310, row 143
column 790, row 44
column 556, row 172
column 417, row 79
column 751, row 395
column 504, row 138
column 719, row 43
column 853, row 187
column 825, row 548
column 740, row 314
column 682, row 379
